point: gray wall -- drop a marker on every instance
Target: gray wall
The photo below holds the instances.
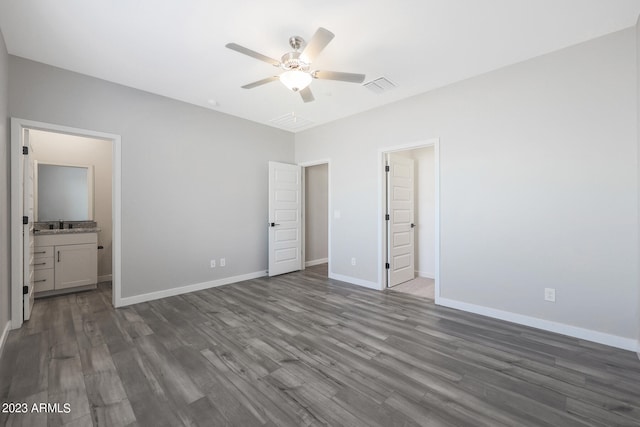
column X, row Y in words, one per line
column 316, row 213
column 538, row 179
column 58, row 148
column 5, row 212
column 194, row 181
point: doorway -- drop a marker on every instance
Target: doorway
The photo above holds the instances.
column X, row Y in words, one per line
column 22, row 130
column 410, row 221
column 316, row 218
column 316, row 206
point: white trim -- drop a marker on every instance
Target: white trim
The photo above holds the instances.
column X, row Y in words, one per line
column 436, row 236
column 382, row 229
column 17, row 127
column 3, row 337
column 105, row 278
column 316, row 262
column 547, row 325
column 189, row 288
column 425, row 274
column 116, row 222
column 354, row 281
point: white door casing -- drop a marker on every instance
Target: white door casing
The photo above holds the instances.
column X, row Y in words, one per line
column 17, row 208
column 27, row 229
column 400, row 208
column 285, row 218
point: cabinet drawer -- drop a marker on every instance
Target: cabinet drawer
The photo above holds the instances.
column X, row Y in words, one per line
column 43, row 280
column 42, row 263
column 43, row 252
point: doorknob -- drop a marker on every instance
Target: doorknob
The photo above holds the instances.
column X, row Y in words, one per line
column 412, row 225
column 273, row 224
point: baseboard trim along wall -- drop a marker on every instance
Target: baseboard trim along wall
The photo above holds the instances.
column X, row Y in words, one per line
column 316, row 262
column 425, row 274
column 355, row 281
column 3, row 337
column 105, row 278
column 547, row 325
column 189, row 288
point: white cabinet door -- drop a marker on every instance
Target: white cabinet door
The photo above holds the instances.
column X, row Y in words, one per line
column 76, row 265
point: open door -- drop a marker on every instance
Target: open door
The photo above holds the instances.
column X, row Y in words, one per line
column 285, row 218
column 27, row 228
column 400, row 220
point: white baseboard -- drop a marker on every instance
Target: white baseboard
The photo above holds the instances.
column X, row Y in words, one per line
column 3, row 337
column 189, row 288
column 316, row 262
column 547, row 325
column 355, row 281
column 425, row 274
column 105, row 278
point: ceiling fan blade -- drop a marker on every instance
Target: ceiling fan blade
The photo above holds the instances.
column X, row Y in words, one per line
column 306, row 94
column 336, row 75
column 253, row 54
column 260, row 82
column 318, row 42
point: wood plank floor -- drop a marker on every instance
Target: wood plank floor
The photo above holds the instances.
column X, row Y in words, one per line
column 300, row 349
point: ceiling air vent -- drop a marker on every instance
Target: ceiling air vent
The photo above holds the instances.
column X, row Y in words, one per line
column 291, row 121
column 380, row 85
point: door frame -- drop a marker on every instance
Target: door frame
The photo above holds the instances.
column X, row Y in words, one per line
column 304, row 212
column 17, row 128
column 382, row 202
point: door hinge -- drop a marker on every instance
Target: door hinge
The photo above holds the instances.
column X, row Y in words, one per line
column 386, row 168
column 387, row 266
column 25, row 149
column 25, row 220
column 386, row 217
column 25, row 290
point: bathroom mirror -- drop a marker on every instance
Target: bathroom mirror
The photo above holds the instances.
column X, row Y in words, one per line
column 63, row 192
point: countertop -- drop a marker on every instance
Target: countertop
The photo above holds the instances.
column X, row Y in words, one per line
column 66, row 231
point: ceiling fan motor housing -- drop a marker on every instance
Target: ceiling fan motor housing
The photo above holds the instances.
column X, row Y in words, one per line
column 292, row 61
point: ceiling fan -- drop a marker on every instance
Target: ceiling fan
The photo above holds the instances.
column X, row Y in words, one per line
column 297, row 64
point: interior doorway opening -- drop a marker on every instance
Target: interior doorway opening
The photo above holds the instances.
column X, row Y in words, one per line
column 410, row 219
column 316, row 219
column 21, row 133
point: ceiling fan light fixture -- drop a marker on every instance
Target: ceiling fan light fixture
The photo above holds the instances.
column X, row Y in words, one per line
column 295, row 80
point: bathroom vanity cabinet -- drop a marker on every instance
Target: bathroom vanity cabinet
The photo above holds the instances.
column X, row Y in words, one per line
column 65, row 261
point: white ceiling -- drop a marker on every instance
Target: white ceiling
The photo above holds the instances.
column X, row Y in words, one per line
column 176, row 48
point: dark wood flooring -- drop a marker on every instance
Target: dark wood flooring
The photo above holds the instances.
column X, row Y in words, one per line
column 300, row 349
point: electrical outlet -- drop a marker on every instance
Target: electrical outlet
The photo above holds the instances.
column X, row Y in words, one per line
column 353, row 261
column 223, row 262
column 213, row 263
column 550, row 294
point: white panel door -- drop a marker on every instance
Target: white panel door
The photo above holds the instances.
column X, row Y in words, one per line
column 400, row 226
column 27, row 229
column 285, row 221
